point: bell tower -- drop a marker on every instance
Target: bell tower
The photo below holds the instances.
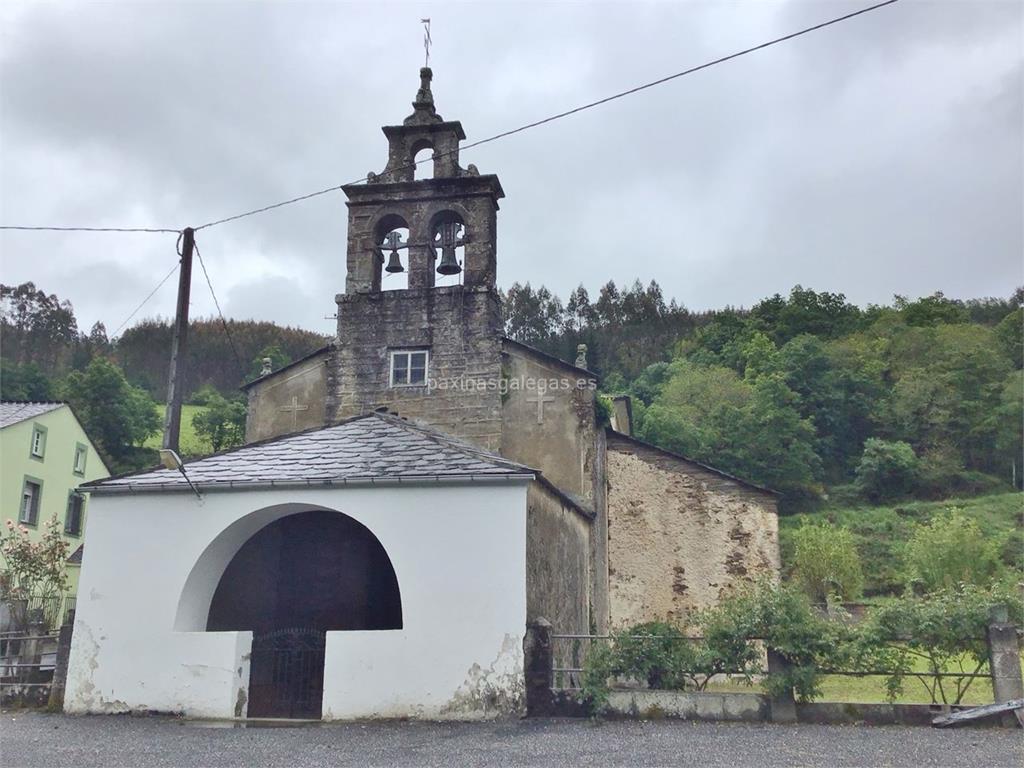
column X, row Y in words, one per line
column 425, row 351
column 454, row 210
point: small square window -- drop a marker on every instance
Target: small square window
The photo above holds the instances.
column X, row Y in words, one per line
column 81, row 454
column 30, row 495
column 38, row 441
column 409, row 368
column 73, row 517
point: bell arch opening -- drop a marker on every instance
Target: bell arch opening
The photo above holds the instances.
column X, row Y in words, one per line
column 392, row 239
column 421, row 156
column 448, row 237
column 317, row 569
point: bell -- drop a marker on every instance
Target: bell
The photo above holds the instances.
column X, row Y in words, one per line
column 448, row 265
column 394, row 263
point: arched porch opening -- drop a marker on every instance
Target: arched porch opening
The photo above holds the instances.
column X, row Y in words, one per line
column 316, row 569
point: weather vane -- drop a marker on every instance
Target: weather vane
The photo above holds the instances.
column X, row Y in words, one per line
column 426, row 41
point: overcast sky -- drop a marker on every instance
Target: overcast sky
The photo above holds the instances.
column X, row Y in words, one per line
column 879, row 156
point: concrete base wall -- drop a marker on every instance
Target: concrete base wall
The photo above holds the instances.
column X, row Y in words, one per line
column 651, row 705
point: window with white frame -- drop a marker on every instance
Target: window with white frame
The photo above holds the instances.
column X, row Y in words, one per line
column 38, row 441
column 81, row 453
column 31, row 492
column 73, row 518
column 409, row 367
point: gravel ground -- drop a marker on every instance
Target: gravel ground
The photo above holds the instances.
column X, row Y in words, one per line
column 30, row 739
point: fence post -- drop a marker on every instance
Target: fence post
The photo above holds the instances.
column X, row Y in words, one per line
column 538, row 665
column 1004, row 661
column 60, row 670
column 782, row 708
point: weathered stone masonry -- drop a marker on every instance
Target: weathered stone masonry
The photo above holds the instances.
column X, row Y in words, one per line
column 680, row 534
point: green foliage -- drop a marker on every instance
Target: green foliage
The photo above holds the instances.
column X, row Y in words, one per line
column 23, row 382
column 945, row 629
column 887, row 470
column 933, row 310
column 1010, row 334
column 203, row 395
column 780, row 616
column 824, row 314
column 749, row 428
column 221, row 422
column 33, row 568
column 36, row 327
column 826, row 563
column 602, row 410
column 658, row 655
column 1008, row 426
column 951, row 549
column 116, row 415
column 277, row 356
column 881, row 533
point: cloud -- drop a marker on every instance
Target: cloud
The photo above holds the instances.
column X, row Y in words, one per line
column 882, row 155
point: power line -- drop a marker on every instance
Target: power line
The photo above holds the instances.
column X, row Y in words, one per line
column 489, row 139
column 150, row 296
column 93, row 229
column 567, row 113
column 227, row 330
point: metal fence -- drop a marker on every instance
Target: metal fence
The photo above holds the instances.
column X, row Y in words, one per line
column 29, row 639
column 40, row 612
column 569, row 654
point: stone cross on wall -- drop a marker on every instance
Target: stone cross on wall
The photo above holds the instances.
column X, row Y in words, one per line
column 294, row 409
column 540, row 399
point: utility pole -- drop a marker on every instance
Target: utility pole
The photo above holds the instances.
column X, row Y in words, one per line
column 176, row 377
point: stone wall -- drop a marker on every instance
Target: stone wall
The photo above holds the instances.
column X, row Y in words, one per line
column 557, row 561
column 680, row 534
column 460, row 328
column 558, row 436
column 289, row 400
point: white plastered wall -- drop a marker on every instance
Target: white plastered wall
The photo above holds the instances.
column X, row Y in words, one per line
column 154, row 560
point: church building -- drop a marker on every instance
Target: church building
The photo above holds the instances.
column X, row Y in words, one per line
column 409, row 498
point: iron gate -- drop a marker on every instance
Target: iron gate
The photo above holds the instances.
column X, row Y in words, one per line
column 286, row 674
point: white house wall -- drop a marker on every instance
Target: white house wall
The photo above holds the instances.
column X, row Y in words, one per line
column 154, row 560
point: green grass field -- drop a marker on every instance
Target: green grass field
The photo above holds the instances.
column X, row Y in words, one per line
column 191, row 443
column 882, row 532
column 871, row 690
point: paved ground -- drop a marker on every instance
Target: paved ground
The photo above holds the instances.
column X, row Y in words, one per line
column 28, row 739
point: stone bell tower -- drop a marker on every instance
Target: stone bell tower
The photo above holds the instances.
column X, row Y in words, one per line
column 425, row 351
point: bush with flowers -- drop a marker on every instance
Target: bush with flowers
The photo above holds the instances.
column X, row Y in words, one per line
column 32, row 569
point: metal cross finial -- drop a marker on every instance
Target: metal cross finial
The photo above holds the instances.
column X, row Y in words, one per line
column 426, row 41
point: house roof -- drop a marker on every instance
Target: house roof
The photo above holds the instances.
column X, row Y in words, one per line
column 76, row 556
column 15, row 411
column 373, row 449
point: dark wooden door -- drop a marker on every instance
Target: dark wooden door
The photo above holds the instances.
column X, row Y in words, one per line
column 286, row 674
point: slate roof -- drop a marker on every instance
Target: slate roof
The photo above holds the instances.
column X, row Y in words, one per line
column 375, row 448
column 13, row 412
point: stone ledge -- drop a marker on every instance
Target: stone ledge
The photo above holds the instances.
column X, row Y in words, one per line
column 681, row 705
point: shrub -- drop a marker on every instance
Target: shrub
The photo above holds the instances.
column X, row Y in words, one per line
column 32, row 568
column 222, row 422
column 826, row 563
column 946, row 630
column 886, row 470
column 203, row 395
column 949, row 550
